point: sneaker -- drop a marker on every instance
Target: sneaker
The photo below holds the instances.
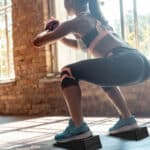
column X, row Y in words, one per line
column 73, row 133
column 123, row 125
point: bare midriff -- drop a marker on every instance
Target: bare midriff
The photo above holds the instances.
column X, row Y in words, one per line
column 105, row 45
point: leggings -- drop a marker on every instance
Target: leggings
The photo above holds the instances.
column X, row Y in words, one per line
column 124, row 67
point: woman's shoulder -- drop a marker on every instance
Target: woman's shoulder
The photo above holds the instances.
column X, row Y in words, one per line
column 85, row 22
column 80, row 24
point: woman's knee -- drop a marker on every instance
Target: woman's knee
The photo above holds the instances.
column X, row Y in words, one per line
column 67, row 78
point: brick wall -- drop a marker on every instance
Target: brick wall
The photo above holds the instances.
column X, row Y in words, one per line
column 29, row 62
column 95, row 101
column 32, row 93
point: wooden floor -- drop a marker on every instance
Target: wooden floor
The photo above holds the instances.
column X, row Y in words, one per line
column 23, row 133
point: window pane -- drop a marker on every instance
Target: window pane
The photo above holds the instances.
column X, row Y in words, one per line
column 66, row 55
column 3, row 48
column 129, row 22
column 144, row 26
column 6, row 49
column 111, row 10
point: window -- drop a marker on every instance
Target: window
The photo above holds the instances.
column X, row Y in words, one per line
column 129, row 18
column 63, row 55
column 6, row 49
column 143, row 26
column 66, row 55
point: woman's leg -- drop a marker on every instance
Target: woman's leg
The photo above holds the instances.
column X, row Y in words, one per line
column 114, row 71
column 77, row 128
column 72, row 94
column 118, row 100
column 72, row 97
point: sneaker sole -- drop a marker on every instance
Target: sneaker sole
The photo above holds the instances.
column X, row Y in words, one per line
column 78, row 137
column 123, row 129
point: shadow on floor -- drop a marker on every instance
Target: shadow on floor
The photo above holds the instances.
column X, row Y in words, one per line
column 108, row 143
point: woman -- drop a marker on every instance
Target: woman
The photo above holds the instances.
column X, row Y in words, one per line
column 116, row 64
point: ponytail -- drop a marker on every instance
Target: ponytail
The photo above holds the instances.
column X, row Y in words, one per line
column 96, row 12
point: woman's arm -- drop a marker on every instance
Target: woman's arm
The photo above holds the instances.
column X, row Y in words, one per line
column 50, row 37
column 70, row 43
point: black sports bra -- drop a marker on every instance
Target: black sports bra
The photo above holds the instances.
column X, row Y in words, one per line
column 89, row 37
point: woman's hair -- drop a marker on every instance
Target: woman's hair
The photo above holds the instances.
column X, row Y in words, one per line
column 96, row 11
column 93, row 7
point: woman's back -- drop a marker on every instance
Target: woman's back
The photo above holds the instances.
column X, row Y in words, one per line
column 88, row 29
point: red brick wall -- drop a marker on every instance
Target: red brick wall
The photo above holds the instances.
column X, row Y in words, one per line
column 29, row 61
column 32, row 94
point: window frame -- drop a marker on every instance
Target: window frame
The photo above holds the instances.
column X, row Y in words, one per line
column 9, row 52
column 135, row 21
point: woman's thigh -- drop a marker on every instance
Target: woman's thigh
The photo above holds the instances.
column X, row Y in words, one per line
column 116, row 70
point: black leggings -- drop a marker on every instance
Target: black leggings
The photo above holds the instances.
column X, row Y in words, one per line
column 124, row 67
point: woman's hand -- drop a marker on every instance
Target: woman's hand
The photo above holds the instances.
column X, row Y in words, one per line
column 56, row 33
column 52, row 24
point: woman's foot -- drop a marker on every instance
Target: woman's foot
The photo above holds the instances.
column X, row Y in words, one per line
column 73, row 133
column 123, row 125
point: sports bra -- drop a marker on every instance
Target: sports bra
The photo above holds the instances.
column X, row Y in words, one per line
column 89, row 41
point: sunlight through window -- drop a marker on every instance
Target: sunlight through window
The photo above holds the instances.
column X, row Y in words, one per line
column 6, row 49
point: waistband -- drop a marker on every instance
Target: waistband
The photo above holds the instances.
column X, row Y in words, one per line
column 121, row 49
